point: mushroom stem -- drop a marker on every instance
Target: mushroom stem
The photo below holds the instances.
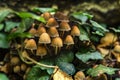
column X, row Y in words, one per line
column 56, row 50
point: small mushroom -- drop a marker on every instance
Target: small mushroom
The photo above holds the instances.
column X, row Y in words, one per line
column 31, row 45
column 117, row 49
column 64, row 26
column 68, row 40
column 46, row 16
column 33, row 31
column 52, row 31
column 57, row 43
column 44, row 38
column 52, row 22
column 75, row 31
column 41, row 30
column 79, row 76
column 41, row 51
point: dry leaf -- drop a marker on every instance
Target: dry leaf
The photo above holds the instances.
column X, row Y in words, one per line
column 60, row 75
column 79, row 76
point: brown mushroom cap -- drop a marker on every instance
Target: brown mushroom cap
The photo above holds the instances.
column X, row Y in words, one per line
column 64, row 26
column 31, row 44
column 52, row 31
column 52, row 22
column 33, row 31
column 41, row 30
column 117, row 49
column 57, row 42
column 41, row 51
column 68, row 40
column 46, row 16
column 75, row 31
column 44, row 38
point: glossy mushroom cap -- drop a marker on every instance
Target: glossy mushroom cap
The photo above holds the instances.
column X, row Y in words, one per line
column 52, row 22
column 57, row 42
column 44, row 38
column 41, row 51
column 46, row 16
column 31, row 44
column 75, row 31
column 52, row 31
column 64, row 26
column 68, row 40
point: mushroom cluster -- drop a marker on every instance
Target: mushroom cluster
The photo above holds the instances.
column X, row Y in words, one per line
column 50, row 37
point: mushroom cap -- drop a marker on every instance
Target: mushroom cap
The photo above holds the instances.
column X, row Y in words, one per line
column 75, row 31
column 44, row 38
column 52, row 22
column 117, row 49
column 41, row 51
column 68, row 40
column 52, row 31
column 61, row 17
column 33, row 31
column 31, row 44
column 64, row 26
column 57, row 42
column 46, row 16
column 41, row 30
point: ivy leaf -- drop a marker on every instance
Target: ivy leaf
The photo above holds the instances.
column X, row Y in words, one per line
column 100, row 69
column 67, row 67
column 37, row 74
column 1, row 26
column 30, row 15
column 83, row 34
column 100, row 30
column 3, row 77
column 82, row 16
column 89, row 55
column 4, row 43
column 4, row 13
column 10, row 25
column 43, row 10
column 65, row 56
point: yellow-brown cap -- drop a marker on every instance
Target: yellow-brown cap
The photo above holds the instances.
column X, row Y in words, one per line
column 41, row 51
column 117, row 49
column 44, row 38
column 46, row 16
column 68, row 40
column 52, row 31
column 57, row 42
column 52, row 22
column 33, row 31
column 41, row 30
column 64, row 26
column 75, row 31
column 31, row 44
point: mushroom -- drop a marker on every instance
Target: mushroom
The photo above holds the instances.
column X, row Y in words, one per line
column 41, row 51
column 79, row 76
column 57, row 43
column 75, row 31
column 33, row 31
column 52, row 22
column 64, row 26
column 68, row 40
column 31, row 45
column 52, row 31
column 61, row 17
column 44, row 38
column 41, row 30
column 46, row 16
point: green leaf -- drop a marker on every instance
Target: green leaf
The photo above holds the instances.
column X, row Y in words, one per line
column 82, row 16
column 65, row 56
column 116, row 30
column 1, row 26
column 4, row 13
column 89, row 55
column 3, row 77
column 83, row 34
column 37, row 74
column 3, row 41
column 10, row 25
column 117, row 79
column 67, row 67
column 43, row 10
column 30, row 15
column 98, row 26
column 100, row 69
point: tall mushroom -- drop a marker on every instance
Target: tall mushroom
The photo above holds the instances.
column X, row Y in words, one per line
column 41, row 30
column 52, row 31
column 46, row 16
column 75, row 31
column 57, row 43
column 52, row 22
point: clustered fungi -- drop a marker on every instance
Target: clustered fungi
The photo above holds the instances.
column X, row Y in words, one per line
column 50, row 37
